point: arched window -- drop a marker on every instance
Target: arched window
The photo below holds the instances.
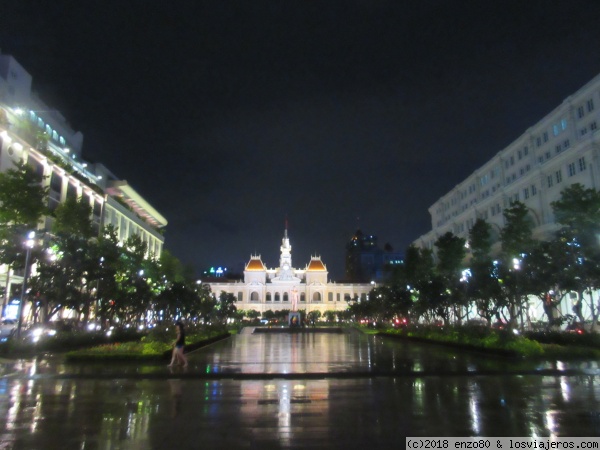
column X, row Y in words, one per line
column 286, row 297
column 302, row 297
column 268, row 297
column 277, row 298
column 316, row 297
column 330, row 296
column 254, row 297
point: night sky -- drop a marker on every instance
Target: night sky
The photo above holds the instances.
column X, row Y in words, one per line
column 230, row 116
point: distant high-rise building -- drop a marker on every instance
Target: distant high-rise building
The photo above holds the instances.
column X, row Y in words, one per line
column 365, row 261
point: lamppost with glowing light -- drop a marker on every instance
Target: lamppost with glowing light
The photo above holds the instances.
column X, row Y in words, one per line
column 28, row 245
column 464, row 279
column 517, row 268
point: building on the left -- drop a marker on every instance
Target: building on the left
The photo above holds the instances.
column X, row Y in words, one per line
column 38, row 135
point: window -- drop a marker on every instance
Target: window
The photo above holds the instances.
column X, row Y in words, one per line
column 526, row 193
column 590, row 105
column 582, row 165
column 525, row 150
column 303, row 297
column 268, row 297
column 583, row 131
column 316, row 297
column 548, row 155
column 545, row 136
column 566, row 144
column 36, row 167
column 55, row 182
column 571, row 169
column 593, row 125
column 337, row 297
column 330, row 296
column 538, row 142
column 550, row 181
column 71, row 191
column 286, row 297
column 558, row 175
column 580, row 112
column 559, row 127
column 558, row 148
column 277, row 297
column 240, row 296
column 254, row 297
column 97, row 208
column 533, row 190
column 520, row 155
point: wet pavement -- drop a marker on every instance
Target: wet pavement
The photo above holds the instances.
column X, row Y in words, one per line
column 294, row 390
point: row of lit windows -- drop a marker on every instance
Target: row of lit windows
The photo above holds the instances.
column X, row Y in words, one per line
column 317, row 298
column 34, row 118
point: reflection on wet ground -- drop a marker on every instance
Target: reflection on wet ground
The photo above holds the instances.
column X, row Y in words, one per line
column 294, row 391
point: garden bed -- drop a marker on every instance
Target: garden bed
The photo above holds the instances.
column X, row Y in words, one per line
column 496, row 342
column 140, row 350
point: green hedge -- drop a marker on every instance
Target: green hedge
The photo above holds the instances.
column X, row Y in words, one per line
column 154, row 346
column 475, row 337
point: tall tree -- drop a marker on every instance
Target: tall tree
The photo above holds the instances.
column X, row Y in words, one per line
column 578, row 213
column 451, row 254
column 517, row 243
column 65, row 278
column 483, row 285
column 22, row 205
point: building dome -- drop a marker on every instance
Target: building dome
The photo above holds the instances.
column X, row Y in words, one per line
column 316, row 265
column 255, row 264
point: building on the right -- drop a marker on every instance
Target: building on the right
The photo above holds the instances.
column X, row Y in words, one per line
column 561, row 149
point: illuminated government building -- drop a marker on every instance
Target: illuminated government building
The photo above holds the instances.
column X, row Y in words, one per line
column 33, row 132
column 283, row 287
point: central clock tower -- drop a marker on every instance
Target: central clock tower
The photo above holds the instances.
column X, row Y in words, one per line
column 285, row 260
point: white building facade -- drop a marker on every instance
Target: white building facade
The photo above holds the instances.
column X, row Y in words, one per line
column 39, row 136
column 286, row 287
column 562, row 149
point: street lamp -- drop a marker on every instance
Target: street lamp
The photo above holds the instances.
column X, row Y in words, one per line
column 517, row 268
column 28, row 245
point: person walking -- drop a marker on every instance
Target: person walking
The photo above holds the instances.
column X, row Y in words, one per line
column 178, row 346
